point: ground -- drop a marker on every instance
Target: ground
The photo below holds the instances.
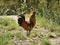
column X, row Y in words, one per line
column 35, row 39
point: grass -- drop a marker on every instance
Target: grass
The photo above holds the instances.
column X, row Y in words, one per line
column 45, row 42
column 7, row 38
column 20, row 36
column 11, row 42
column 57, row 29
column 48, row 24
column 34, row 43
column 8, row 24
column 4, row 38
column 34, row 34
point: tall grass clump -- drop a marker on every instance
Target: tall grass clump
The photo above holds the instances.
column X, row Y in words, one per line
column 45, row 42
column 4, row 38
column 8, row 24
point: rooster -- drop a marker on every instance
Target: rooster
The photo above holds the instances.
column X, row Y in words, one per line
column 27, row 25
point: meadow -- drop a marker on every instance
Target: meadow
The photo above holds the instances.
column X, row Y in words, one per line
column 45, row 32
column 12, row 34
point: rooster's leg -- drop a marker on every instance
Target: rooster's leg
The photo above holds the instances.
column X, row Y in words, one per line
column 28, row 33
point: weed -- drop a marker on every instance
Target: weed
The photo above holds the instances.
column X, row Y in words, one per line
column 45, row 42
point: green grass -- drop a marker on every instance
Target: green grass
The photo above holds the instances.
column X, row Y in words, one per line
column 20, row 36
column 48, row 24
column 7, row 38
column 45, row 42
column 57, row 29
column 34, row 43
column 8, row 24
column 34, row 34
column 11, row 42
column 4, row 38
